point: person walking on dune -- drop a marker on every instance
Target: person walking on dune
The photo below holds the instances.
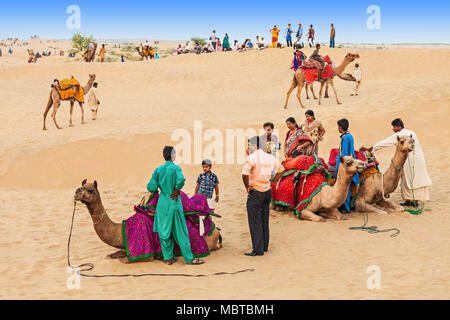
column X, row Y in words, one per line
column 311, row 36
column 332, row 36
column 93, row 101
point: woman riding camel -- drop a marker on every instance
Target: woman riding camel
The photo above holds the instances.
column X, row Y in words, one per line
column 297, row 142
column 313, row 128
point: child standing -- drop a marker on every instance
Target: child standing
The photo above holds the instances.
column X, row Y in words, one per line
column 208, row 182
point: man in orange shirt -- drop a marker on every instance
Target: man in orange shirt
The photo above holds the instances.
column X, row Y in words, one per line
column 256, row 174
column 102, row 53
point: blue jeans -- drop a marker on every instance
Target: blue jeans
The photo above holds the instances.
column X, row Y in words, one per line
column 332, row 43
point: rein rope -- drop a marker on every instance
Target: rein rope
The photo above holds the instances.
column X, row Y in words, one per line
column 90, row 266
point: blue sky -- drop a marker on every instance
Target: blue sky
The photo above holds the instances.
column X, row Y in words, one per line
column 401, row 21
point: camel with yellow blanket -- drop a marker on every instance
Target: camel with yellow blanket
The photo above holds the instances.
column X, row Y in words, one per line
column 146, row 53
column 70, row 90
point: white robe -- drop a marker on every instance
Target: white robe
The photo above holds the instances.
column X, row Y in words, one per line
column 418, row 172
column 92, row 99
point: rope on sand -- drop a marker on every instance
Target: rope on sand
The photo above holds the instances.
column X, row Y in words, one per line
column 90, row 266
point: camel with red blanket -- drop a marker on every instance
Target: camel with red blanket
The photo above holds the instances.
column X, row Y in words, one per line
column 304, row 76
column 308, row 191
column 135, row 238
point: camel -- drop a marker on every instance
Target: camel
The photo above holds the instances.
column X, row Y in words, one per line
column 374, row 190
column 343, row 76
column 142, row 54
column 110, row 232
column 55, row 101
column 91, row 56
column 330, row 198
column 299, row 80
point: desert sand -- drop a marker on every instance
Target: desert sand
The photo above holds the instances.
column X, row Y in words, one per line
column 142, row 103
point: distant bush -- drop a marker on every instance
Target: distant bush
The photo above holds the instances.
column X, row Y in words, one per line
column 81, row 42
column 199, row 40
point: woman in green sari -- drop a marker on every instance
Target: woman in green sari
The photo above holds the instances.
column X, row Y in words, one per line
column 226, row 43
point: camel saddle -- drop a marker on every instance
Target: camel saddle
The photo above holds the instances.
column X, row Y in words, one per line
column 69, row 89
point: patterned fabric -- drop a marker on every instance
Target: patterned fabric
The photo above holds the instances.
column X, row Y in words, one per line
column 312, row 75
column 148, row 51
column 87, row 53
column 207, row 183
column 70, row 89
column 142, row 242
column 310, row 177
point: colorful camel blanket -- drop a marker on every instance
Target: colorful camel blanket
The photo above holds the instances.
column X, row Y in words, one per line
column 312, row 75
column 87, row 53
column 142, row 242
column 148, row 51
column 70, row 89
column 303, row 178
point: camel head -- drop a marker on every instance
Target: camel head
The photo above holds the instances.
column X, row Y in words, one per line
column 92, row 77
column 88, row 193
column 350, row 57
column 351, row 166
column 405, row 144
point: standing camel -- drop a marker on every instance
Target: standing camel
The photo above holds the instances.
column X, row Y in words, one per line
column 110, row 232
column 299, row 80
column 143, row 55
column 91, row 56
column 374, row 190
column 343, row 76
column 55, row 101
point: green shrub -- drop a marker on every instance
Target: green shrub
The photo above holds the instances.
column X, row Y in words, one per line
column 81, row 42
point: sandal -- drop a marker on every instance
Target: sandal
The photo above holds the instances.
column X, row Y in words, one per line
column 170, row 262
column 196, row 261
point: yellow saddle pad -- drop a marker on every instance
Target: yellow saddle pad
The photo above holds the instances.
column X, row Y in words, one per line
column 70, row 89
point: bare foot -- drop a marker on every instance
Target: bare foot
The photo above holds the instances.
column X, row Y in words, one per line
column 71, row 125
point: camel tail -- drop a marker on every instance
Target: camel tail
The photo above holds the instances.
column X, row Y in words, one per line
column 50, row 101
column 346, row 77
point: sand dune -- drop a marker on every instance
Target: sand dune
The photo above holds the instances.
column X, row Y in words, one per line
column 142, row 104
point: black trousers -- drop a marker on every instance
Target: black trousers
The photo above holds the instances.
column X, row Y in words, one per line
column 258, row 207
column 289, row 42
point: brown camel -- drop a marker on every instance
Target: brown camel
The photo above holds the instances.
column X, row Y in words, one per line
column 110, row 232
column 55, row 101
column 299, row 80
column 143, row 55
column 91, row 55
column 330, row 198
column 344, row 76
column 376, row 189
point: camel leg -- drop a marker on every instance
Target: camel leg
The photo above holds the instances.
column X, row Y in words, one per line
column 294, row 84
column 320, row 93
column 299, row 91
column 334, row 90
column 362, row 206
column 335, row 214
column 307, row 95
column 326, row 92
column 55, row 109
column 47, row 109
column 82, row 113
column 390, row 205
column 117, row 255
column 309, row 215
column 71, row 112
column 312, row 90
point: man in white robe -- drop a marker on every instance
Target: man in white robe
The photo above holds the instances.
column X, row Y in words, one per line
column 93, row 101
column 415, row 181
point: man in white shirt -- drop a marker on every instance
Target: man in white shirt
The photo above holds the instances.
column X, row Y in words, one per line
column 358, row 76
column 213, row 39
column 415, row 180
column 93, row 101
